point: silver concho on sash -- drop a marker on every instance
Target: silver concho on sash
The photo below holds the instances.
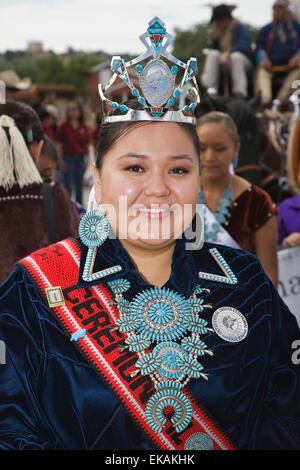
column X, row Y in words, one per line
column 230, row 324
column 157, row 82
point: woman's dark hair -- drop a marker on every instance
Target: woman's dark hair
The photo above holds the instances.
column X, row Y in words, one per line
column 26, row 120
column 111, row 132
column 49, row 150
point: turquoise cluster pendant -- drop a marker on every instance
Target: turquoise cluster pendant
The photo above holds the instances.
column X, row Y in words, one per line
column 165, row 321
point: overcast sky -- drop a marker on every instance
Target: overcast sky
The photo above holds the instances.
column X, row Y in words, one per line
column 112, row 25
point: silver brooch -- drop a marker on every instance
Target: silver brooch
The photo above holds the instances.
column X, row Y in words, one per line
column 230, row 324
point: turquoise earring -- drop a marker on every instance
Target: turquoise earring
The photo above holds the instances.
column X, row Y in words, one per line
column 93, row 231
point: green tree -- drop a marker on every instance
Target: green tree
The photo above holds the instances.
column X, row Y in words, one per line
column 27, row 68
column 78, row 68
column 51, row 70
column 190, row 43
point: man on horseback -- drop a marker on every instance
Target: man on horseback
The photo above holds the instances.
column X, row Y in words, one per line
column 278, row 50
column 229, row 46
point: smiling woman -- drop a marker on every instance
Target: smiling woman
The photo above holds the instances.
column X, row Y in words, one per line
column 158, row 181
column 176, row 348
column 244, row 210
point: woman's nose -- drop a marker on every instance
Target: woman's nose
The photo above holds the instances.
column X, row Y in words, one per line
column 209, row 154
column 157, row 185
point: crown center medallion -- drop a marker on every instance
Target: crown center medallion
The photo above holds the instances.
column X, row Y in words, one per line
column 157, row 82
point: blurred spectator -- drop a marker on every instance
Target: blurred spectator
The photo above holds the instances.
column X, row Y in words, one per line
column 295, row 6
column 96, row 130
column 229, row 46
column 48, row 160
column 49, row 116
column 24, row 198
column 73, row 138
column 242, row 215
column 47, row 165
column 278, row 49
column 14, row 84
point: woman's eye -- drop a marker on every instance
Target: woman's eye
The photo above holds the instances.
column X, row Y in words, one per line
column 220, row 149
column 179, row 171
column 134, row 168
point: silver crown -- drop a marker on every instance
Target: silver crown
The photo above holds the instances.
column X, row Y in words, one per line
column 157, row 82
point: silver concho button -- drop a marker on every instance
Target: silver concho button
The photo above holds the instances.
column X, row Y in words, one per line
column 230, row 324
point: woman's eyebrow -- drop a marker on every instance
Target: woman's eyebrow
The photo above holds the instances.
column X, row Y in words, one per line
column 182, row 157
column 171, row 157
column 132, row 155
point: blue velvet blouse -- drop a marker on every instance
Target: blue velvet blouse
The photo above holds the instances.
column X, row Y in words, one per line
column 51, row 398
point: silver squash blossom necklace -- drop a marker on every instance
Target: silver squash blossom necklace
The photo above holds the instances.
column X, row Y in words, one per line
column 169, row 323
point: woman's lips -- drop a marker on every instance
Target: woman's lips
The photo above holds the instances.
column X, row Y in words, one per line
column 154, row 211
column 209, row 167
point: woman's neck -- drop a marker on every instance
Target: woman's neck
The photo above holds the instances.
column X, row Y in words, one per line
column 154, row 265
column 216, row 184
column 74, row 123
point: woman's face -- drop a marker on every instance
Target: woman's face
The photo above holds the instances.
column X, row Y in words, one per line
column 146, row 179
column 73, row 111
column 217, row 150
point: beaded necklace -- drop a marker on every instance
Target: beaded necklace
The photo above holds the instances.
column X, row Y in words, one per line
column 221, row 215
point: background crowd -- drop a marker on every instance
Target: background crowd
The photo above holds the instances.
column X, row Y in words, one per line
column 270, row 61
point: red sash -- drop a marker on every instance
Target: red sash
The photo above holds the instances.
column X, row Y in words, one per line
column 55, row 271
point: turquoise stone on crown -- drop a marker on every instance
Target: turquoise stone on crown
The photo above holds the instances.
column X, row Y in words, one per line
column 156, row 33
column 118, row 66
column 135, row 92
column 142, row 100
column 157, row 112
